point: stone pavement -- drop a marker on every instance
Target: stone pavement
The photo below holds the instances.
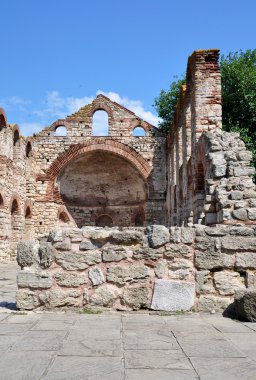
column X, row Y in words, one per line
column 114, row 346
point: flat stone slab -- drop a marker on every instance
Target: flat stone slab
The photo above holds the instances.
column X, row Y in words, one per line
column 173, row 295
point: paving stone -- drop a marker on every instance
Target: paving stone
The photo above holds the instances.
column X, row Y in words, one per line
column 160, row 374
column 53, row 325
column 149, row 339
column 75, row 367
column 6, row 341
column 23, row 366
column 210, row 345
column 224, row 368
column 88, row 346
column 156, row 359
column 13, row 329
column 40, row 341
column 244, row 341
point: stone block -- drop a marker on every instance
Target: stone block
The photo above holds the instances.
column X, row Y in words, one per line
column 56, row 236
column 87, row 244
column 246, row 260
column 123, row 274
column 173, row 295
column 240, row 214
column 69, row 280
column 60, row 298
column 85, row 296
column 228, row 282
column 147, row 254
column 250, row 279
column 26, row 300
column 239, row 243
column 245, row 305
column 216, row 231
column 78, row 260
column 114, row 254
column 236, row 195
column 251, row 213
column 204, row 282
column 27, row 253
column 64, row 245
column 34, row 280
column 208, row 303
column 136, row 298
column 46, row 255
column 104, row 296
column 243, row 171
column 127, row 237
column 157, row 236
column 213, row 260
column 96, row 276
column 175, row 234
column 177, row 250
column 161, row 268
column 187, row 235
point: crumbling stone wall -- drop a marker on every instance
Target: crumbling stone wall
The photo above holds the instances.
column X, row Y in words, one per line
column 132, row 268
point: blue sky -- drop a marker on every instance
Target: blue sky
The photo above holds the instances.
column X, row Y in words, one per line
column 56, row 55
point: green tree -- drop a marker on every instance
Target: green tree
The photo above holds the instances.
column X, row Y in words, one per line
column 165, row 104
column 238, row 73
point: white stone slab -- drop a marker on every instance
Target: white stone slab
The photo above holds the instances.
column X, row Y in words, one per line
column 173, row 295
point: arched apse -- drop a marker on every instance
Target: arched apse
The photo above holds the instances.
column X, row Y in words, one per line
column 101, row 183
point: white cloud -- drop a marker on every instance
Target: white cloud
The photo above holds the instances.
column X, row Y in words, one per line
column 58, row 107
column 134, row 105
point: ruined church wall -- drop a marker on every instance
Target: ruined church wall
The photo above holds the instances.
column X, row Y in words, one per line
column 131, row 268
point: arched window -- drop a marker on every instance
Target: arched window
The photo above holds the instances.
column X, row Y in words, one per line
column 200, row 178
column 28, row 149
column 100, row 123
column 15, row 207
column 61, row 130
column 16, row 137
column 63, row 217
column 28, row 213
column 138, row 132
column 104, row 221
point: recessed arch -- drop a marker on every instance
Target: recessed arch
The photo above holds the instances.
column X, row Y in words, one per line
column 3, row 119
column 28, row 149
column 16, row 135
column 28, row 212
column 2, row 203
column 15, row 208
column 104, row 220
column 61, row 131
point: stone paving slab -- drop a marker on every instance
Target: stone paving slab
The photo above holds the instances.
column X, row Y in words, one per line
column 121, row 346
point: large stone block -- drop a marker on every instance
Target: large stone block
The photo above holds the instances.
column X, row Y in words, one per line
column 46, row 255
column 211, row 302
column 147, row 254
column 78, row 260
column 26, row 300
column 104, row 296
column 177, row 250
column 239, row 243
column 136, row 298
column 60, row 298
column 204, row 282
column 64, row 245
column 69, row 280
column 114, row 254
column 157, row 235
column 245, row 305
column 96, row 276
column 213, row 260
column 34, row 280
column 123, row 274
column 228, row 282
column 127, row 237
column 27, row 253
column 87, row 244
column 173, row 295
column 56, row 236
column 246, row 260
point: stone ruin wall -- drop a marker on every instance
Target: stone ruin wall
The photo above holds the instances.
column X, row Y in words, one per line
column 132, row 268
column 209, row 173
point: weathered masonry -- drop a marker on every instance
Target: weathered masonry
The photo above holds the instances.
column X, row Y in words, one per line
column 70, row 176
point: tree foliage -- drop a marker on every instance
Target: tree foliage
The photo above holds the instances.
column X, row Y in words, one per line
column 165, row 104
column 238, row 77
column 238, row 73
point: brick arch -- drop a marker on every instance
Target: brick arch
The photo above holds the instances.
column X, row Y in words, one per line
column 14, row 206
column 105, row 144
column 59, row 123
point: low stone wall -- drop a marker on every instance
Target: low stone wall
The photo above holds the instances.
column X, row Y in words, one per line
column 131, row 268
